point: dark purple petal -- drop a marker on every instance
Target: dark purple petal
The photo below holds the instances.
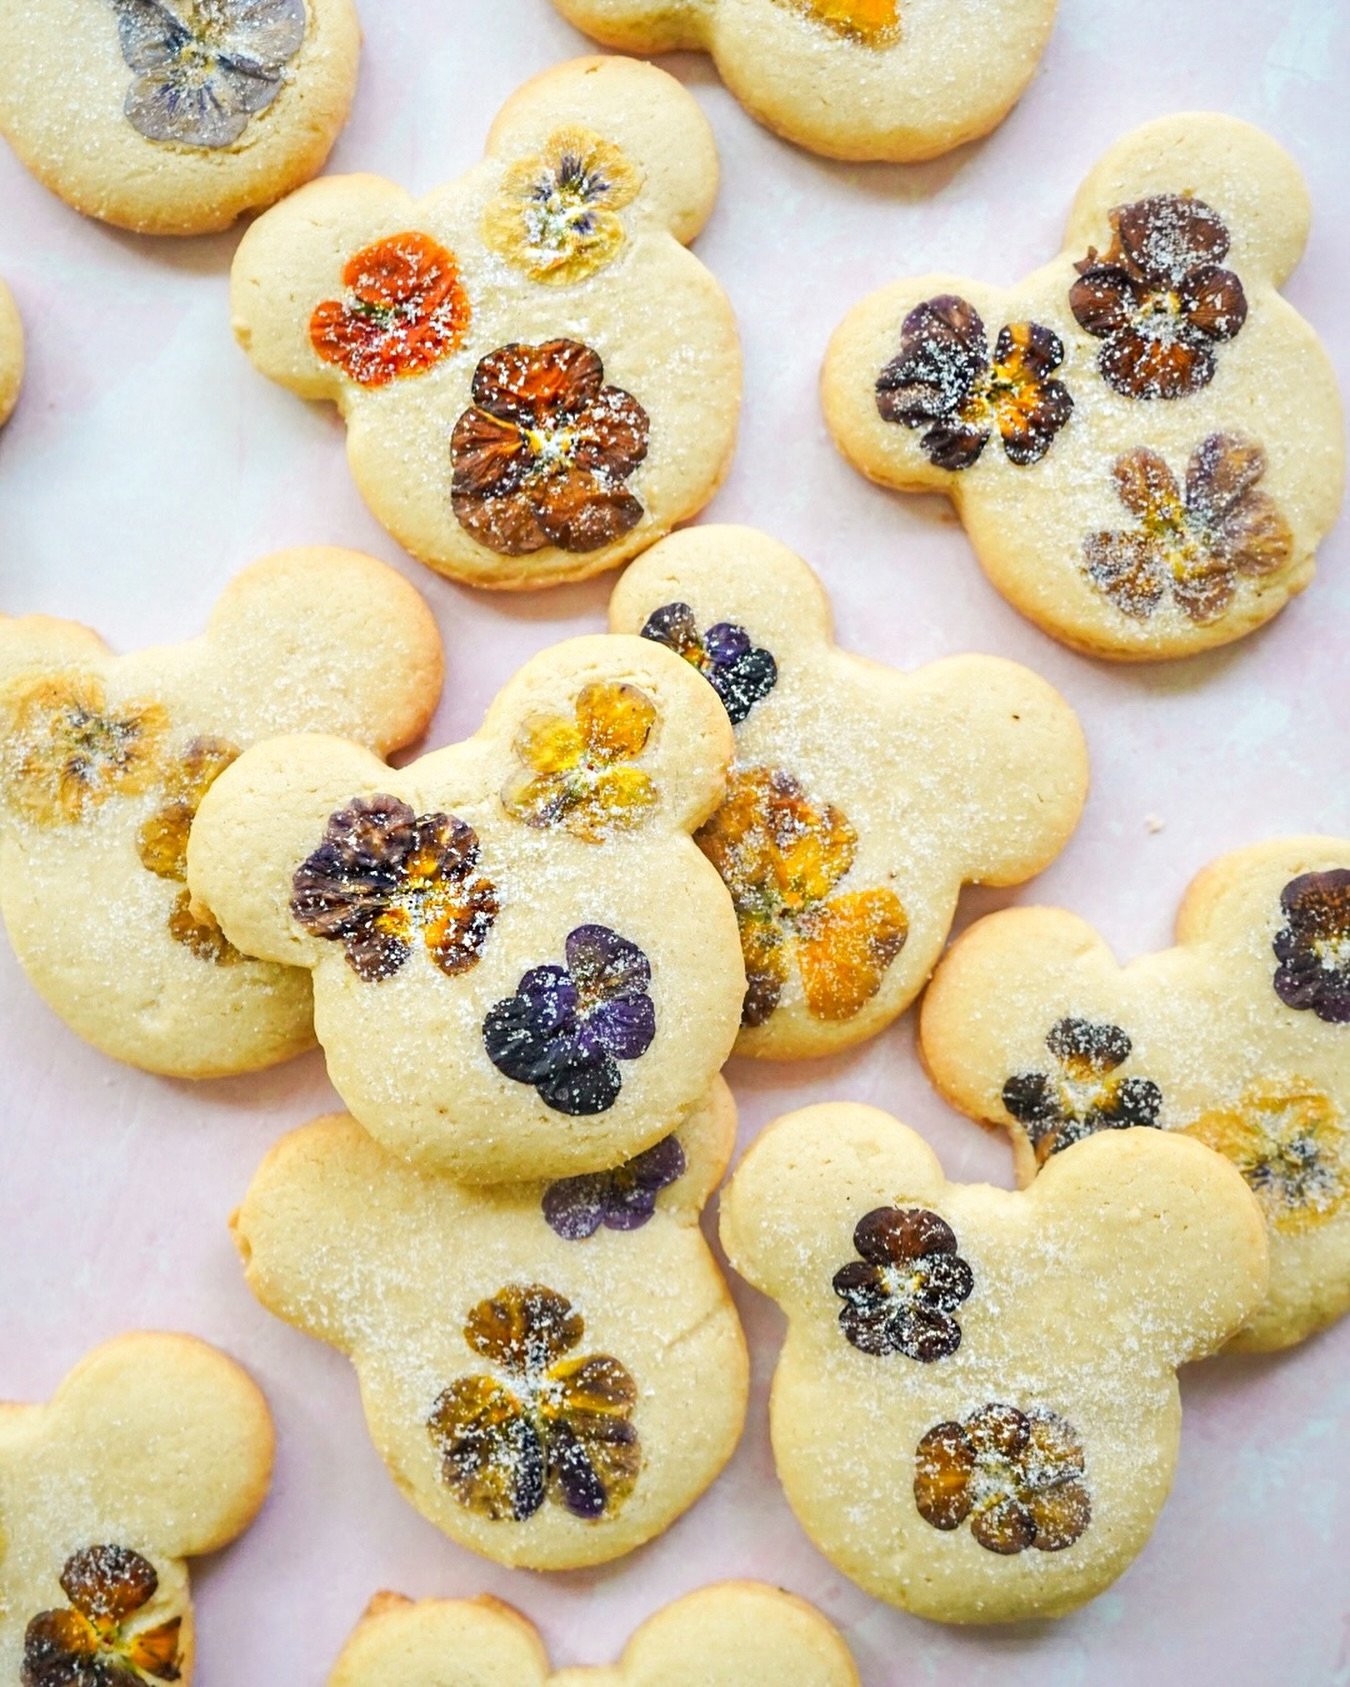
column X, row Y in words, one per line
column 552, row 998
column 624, row 1028
column 1030, row 1098
column 1097, row 1046
column 604, row 964
column 947, row 1281
column 659, row 1166
column 575, row 1206
column 675, row 626
column 745, row 682
column 726, row 643
column 574, row 1082
column 514, row 1043
column 630, row 1208
column 1138, row 1101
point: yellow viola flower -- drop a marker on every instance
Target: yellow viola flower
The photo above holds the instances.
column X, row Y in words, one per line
column 555, row 215
column 782, row 859
column 68, row 752
column 578, row 771
column 1292, row 1147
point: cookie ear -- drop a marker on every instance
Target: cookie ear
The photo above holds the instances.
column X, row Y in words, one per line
column 1000, row 731
column 756, row 1635
column 258, row 822
column 781, row 1211
column 340, row 633
column 639, row 26
column 292, row 258
column 1039, row 965
column 860, row 349
column 1239, row 894
column 1235, row 169
column 171, row 1439
column 304, row 1258
column 689, row 744
column 643, row 111
column 36, row 644
column 441, row 1643
column 728, row 573
column 1177, row 1239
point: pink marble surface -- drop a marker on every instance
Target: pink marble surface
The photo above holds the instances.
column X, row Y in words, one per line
column 148, row 462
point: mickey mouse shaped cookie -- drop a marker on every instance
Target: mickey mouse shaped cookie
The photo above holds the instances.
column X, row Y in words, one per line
column 11, row 354
column 104, row 760
column 537, row 378
column 155, row 1448
column 175, row 116
column 866, row 79
column 523, row 965
column 552, row 1371
column 1142, row 439
column 1238, row 1037
column 861, row 798
column 736, row 1634
column 976, row 1412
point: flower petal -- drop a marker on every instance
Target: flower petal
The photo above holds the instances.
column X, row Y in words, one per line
column 943, row 353
column 944, row 1466
column 1059, row 1516
column 579, row 511
column 845, row 954
column 892, row 1235
column 574, row 1207
column 155, row 1652
column 675, row 626
column 1145, row 484
column 1104, row 299
column 1130, row 568
column 108, row 1584
column 625, row 1027
column 577, row 1082
column 1214, row 303
column 955, row 446
column 612, row 435
column 1005, row 1527
column 1147, row 366
column 616, row 720
column 1164, row 237
column 524, row 1328
column 1088, row 1047
column 492, row 1459
column 538, row 385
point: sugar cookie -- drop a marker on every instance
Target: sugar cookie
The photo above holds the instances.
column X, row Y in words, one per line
column 862, row 798
column 104, row 759
column 523, row 966
column 735, row 1634
column 175, row 116
column 552, row 1373
column 866, row 79
column 976, row 1412
column 156, row 1448
column 537, row 378
column 1239, row 1037
column 1143, row 439
column 11, row 354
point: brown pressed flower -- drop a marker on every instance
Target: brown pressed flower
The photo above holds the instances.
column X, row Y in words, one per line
column 94, row 1641
column 1159, row 297
column 163, row 839
column 1085, row 1094
column 782, row 859
column 544, row 454
column 404, row 309
column 577, row 770
column 943, row 379
column 68, row 751
column 1293, row 1148
column 900, row 1295
column 547, row 1426
column 1016, row 1476
column 1195, row 544
column 383, row 876
column 1313, row 945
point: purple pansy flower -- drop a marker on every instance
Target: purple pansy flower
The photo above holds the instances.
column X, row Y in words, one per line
column 739, row 671
column 204, row 67
column 623, row 1199
column 566, row 1028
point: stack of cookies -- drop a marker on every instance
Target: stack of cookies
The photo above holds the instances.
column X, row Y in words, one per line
column 707, row 831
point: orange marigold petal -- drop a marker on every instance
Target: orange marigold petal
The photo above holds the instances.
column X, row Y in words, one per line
column 845, row 955
column 155, row 1650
